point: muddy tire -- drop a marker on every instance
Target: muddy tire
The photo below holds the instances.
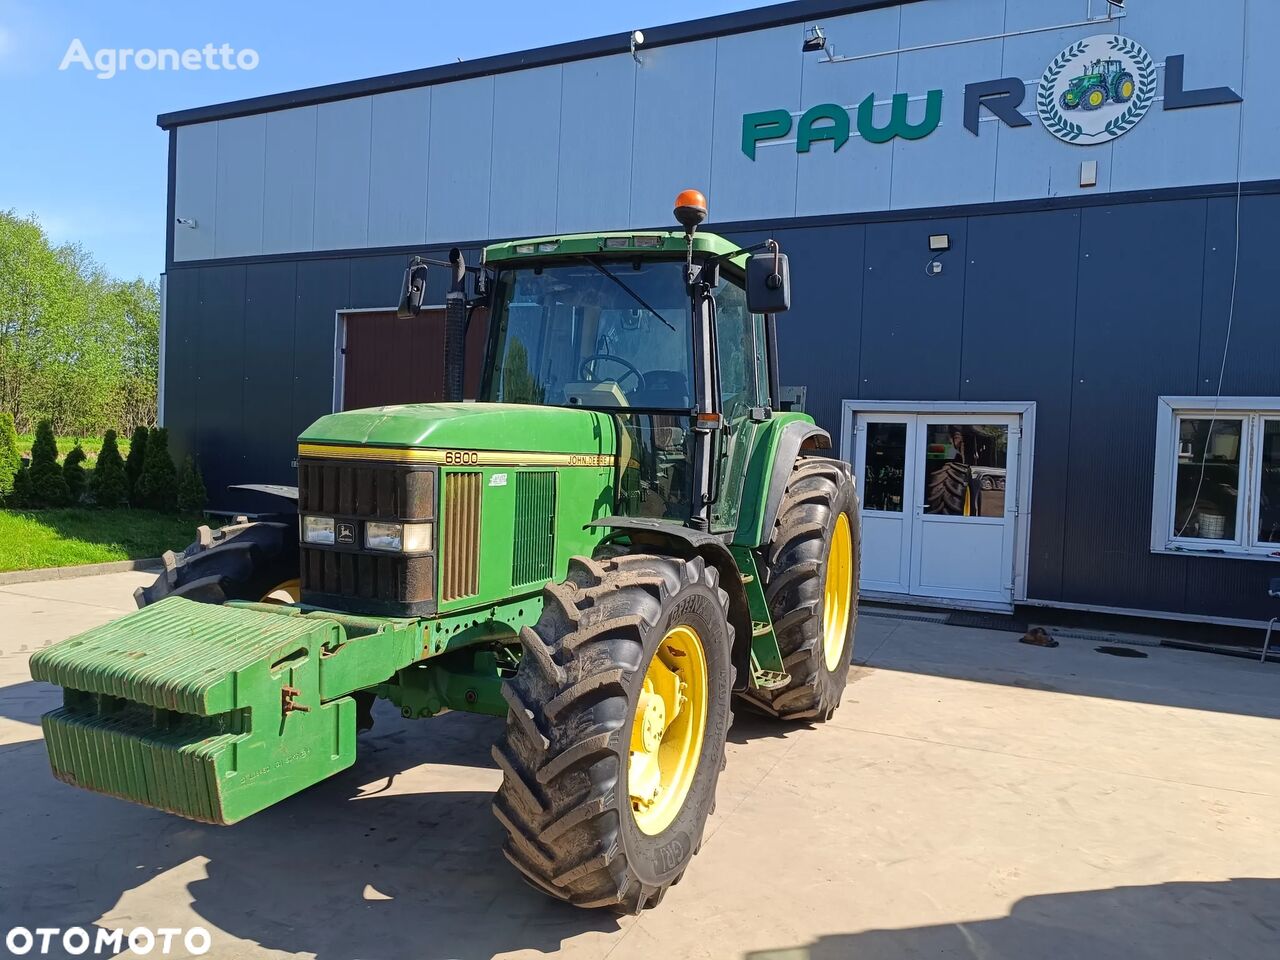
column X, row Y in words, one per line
column 243, row 561
column 797, row 567
column 573, row 828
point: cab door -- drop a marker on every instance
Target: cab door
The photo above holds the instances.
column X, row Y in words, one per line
column 744, row 388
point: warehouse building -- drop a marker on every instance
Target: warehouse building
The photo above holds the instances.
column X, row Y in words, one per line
column 1031, row 245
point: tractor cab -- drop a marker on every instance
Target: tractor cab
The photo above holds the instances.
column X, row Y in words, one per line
column 670, row 333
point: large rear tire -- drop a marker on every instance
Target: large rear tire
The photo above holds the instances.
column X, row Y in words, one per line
column 243, row 561
column 810, row 571
column 616, row 732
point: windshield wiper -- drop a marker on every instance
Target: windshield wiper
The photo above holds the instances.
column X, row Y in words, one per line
column 631, row 293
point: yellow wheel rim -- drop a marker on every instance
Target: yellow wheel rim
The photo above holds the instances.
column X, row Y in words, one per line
column 1126, row 89
column 667, row 732
column 288, row 592
column 837, row 598
column 1096, row 97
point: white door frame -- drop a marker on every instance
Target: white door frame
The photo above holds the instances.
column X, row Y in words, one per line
column 1026, row 411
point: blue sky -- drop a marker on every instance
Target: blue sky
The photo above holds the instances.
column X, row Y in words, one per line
column 84, row 154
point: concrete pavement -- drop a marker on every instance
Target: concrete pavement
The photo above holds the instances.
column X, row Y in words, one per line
column 973, row 797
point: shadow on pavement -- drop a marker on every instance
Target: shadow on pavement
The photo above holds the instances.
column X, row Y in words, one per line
column 354, row 867
column 1236, row 919
column 1165, row 677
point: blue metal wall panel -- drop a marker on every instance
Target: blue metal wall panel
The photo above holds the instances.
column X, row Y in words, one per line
column 911, row 343
column 459, row 158
column 324, row 288
column 597, row 117
column 526, row 153
column 242, row 149
column 219, row 379
column 1137, row 338
column 269, row 369
column 401, row 138
column 344, row 131
column 289, row 194
column 674, row 88
column 1018, row 329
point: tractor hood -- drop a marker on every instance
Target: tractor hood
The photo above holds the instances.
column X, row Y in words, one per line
column 506, row 427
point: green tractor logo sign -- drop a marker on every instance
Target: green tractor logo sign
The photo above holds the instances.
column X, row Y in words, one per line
column 1097, row 89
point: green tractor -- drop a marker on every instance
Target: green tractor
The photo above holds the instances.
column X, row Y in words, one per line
column 624, row 535
column 1104, row 80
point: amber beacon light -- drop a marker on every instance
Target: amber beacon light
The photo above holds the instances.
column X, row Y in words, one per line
column 691, row 209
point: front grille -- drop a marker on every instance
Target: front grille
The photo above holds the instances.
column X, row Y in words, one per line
column 377, row 491
column 534, row 528
column 348, row 576
column 460, row 549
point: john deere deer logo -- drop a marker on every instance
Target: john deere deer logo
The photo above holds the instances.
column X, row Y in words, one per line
column 1097, row 89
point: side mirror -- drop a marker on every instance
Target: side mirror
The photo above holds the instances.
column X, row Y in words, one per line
column 768, row 282
column 413, row 291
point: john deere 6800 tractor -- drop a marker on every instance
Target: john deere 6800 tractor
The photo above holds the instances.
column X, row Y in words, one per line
column 625, row 533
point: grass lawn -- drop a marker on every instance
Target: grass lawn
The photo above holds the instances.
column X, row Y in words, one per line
column 31, row 539
column 92, row 446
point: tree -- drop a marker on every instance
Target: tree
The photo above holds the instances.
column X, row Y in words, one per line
column 10, row 458
column 133, row 466
column 74, row 473
column 21, row 496
column 158, row 485
column 48, row 485
column 191, row 491
column 109, row 484
column 76, row 345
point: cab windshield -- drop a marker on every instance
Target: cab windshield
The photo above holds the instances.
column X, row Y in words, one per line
column 594, row 332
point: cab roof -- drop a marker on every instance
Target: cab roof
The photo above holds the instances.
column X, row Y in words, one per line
column 642, row 242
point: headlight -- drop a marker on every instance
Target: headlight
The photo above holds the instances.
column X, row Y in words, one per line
column 317, row 530
column 398, row 537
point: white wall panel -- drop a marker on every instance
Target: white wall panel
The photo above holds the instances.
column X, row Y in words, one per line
column 950, row 165
column 195, row 191
column 343, row 144
column 459, row 160
column 242, row 152
column 1030, row 161
column 754, row 72
column 526, row 153
column 398, row 167
column 1185, row 147
column 289, row 196
column 597, row 115
column 606, row 142
column 858, row 175
column 675, row 88
column 1261, row 160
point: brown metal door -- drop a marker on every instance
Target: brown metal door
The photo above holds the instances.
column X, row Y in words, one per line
column 388, row 360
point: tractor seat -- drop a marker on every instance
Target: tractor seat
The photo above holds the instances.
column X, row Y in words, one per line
column 663, row 388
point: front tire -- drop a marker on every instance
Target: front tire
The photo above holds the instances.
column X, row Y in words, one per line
column 244, row 561
column 593, row 812
column 810, row 570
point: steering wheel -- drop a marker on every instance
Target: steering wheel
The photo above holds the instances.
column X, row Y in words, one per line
column 631, row 371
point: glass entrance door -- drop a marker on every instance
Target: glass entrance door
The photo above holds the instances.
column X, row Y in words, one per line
column 939, row 504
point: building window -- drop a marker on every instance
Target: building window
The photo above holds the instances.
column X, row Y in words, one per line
column 1217, row 478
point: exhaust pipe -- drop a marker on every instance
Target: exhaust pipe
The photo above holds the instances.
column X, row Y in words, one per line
column 455, row 329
